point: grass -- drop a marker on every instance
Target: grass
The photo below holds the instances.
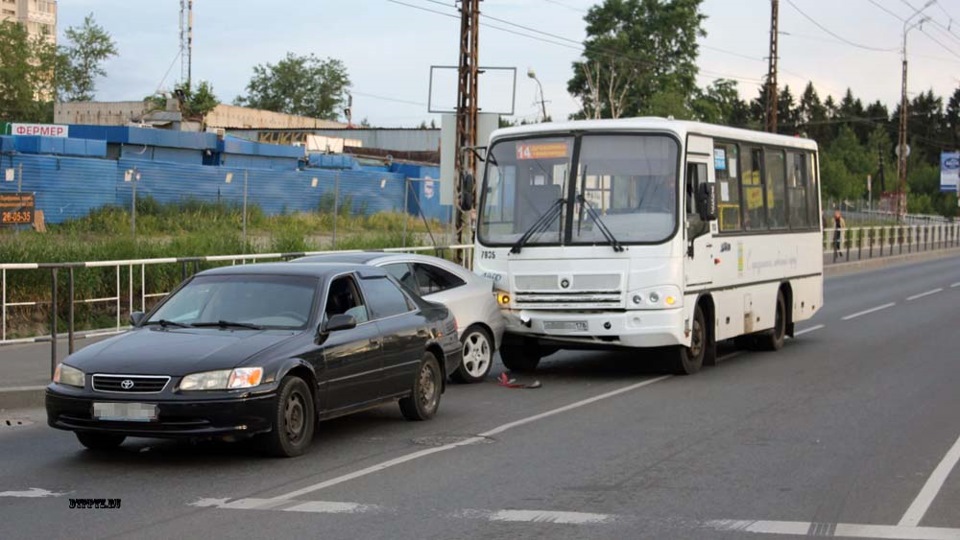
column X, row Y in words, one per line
column 188, row 229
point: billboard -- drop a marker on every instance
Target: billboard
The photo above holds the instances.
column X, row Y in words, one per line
column 16, row 208
column 45, row 130
column 949, row 171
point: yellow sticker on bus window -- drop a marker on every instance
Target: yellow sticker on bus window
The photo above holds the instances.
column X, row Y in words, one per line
column 552, row 150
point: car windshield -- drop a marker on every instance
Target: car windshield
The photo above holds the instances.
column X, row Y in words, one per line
column 235, row 302
column 625, row 183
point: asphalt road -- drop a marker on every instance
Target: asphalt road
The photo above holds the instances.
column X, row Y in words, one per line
column 851, row 430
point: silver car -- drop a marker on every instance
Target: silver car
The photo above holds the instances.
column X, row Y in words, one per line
column 467, row 295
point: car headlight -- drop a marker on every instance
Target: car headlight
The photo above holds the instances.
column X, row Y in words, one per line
column 663, row 297
column 68, row 375
column 225, row 379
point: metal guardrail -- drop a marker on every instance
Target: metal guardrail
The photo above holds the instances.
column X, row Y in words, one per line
column 135, row 289
column 883, row 241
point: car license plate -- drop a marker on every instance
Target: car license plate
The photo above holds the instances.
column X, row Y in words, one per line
column 566, row 326
column 125, row 412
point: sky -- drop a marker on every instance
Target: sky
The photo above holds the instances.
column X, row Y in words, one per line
column 389, row 48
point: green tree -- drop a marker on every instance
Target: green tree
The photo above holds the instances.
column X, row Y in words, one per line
column 197, row 103
column 89, row 46
column 302, row 85
column 720, row 103
column 639, row 58
column 27, row 68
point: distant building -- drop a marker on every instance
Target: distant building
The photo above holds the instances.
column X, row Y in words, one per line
column 38, row 16
column 125, row 113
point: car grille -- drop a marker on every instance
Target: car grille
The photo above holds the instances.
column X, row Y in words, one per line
column 130, row 384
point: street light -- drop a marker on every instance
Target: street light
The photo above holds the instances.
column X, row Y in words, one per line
column 902, row 150
column 133, row 175
column 228, row 180
column 543, row 104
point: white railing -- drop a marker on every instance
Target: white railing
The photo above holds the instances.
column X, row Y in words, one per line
column 138, row 291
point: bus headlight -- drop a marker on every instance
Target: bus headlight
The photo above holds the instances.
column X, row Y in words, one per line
column 503, row 299
column 663, row 297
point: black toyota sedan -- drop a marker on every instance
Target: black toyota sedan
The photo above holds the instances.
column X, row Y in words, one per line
column 261, row 350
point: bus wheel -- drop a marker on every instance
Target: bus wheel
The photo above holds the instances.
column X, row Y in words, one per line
column 520, row 357
column 689, row 360
column 772, row 340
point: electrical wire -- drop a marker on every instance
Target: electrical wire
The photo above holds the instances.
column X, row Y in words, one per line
column 834, row 34
column 385, row 98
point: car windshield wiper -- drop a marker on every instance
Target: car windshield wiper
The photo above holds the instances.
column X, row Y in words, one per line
column 165, row 323
column 539, row 225
column 604, row 230
column 228, row 324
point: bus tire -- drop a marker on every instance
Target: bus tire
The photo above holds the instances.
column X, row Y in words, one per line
column 689, row 360
column 772, row 340
column 522, row 358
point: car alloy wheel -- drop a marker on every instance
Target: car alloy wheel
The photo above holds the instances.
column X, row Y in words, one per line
column 477, row 356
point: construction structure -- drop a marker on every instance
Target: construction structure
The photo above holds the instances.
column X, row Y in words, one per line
column 186, row 41
column 39, row 17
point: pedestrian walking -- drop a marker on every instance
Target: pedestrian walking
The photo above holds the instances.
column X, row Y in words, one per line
column 838, row 227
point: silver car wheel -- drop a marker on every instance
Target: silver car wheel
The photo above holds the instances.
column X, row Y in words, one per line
column 477, row 354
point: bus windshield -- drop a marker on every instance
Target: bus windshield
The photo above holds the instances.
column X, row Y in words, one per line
column 629, row 184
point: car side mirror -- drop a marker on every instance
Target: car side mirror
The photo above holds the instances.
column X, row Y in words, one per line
column 340, row 322
column 707, row 202
column 136, row 318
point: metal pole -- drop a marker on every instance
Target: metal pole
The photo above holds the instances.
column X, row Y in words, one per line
column 244, row 211
column 3, row 303
column 70, row 315
column 336, row 204
column 406, row 214
column 53, row 322
column 133, row 206
column 772, row 97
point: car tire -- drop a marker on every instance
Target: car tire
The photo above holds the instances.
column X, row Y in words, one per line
column 773, row 339
column 294, row 420
column 100, row 441
column 424, row 398
column 689, row 360
column 520, row 357
column 477, row 355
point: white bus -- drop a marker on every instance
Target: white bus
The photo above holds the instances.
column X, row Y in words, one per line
column 648, row 232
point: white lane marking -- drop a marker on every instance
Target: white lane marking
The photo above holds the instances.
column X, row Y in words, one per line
column 807, row 330
column 839, row 530
column 286, row 505
column 955, row 285
column 868, row 311
column 921, row 295
column 31, row 493
column 929, row 492
column 480, row 438
column 548, row 516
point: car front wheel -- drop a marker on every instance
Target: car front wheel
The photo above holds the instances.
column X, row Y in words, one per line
column 294, row 420
column 477, row 356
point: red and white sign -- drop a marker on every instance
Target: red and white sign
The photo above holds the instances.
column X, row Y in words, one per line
column 44, row 130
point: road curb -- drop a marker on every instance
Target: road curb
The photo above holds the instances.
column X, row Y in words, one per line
column 839, row 269
column 22, row 397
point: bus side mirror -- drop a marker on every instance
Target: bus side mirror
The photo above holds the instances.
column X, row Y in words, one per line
column 707, row 202
column 467, row 188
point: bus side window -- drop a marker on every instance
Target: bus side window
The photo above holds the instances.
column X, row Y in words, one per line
column 726, row 160
column 696, row 175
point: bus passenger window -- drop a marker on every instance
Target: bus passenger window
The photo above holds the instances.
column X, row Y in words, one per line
column 725, row 163
column 754, row 212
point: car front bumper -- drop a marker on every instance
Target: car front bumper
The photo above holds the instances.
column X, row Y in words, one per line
column 181, row 418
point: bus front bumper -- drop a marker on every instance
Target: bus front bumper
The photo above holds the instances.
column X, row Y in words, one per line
column 637, row 328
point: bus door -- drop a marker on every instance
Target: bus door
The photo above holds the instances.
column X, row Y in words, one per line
column 701, row 249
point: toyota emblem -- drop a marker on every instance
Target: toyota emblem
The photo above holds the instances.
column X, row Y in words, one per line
column 564, row 283
column 126, row 384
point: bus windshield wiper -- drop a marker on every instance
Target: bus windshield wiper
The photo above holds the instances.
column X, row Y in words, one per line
column 539, row 225
column 604, row 230
column 228, row 324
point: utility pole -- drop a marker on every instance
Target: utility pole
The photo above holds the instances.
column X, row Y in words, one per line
column 772, row 97
column 186, row 41
column 902, row 149
column 880, row 174
column 465, row 162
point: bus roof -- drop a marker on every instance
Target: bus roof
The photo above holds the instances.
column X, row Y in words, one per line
column 681, row 128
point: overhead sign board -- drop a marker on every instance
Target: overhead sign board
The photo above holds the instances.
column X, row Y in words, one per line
column 17, row 208
column 44, row 130
column 949, row 171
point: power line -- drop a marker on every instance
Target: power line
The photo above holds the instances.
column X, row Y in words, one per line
column 385, row 98
column 839, row 37
column 571, row 8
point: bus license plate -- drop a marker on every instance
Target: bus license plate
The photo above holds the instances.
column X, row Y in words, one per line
column 125, row 412
column 566, row 326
